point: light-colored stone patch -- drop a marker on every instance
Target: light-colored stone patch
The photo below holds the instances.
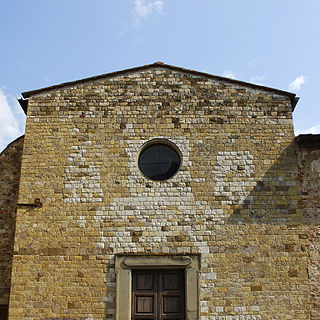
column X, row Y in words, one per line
column 234, row 176
column 315, row 166
column 161, row 207
column 82, row 177
column 157, row 212
column 82, row 222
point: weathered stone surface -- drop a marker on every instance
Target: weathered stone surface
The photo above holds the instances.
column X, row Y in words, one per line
column 235, row 200
column 309, row 177
column 10, row 164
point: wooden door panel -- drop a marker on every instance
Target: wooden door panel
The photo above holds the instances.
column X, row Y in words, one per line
column 145, row 281
column 158, row 295
column 171, row 281
column 171, row 304
column 145, row 305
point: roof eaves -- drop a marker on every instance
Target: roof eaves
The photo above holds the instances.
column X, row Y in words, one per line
column 24, row 105
column 309, row 140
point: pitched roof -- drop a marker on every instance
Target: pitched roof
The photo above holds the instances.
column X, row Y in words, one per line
column 11, row 144
column 309, row 140
column 28, row 94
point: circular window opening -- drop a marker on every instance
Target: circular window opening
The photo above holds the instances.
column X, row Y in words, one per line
column 159, row 161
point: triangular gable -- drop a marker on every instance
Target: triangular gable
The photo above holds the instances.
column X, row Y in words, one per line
column 29, row 94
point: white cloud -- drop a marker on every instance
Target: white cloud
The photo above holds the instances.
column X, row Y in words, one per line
column 12, row 120
column 138, row 39
column 296, row 84
column 205, row 70
column 257, row 79
column 313, row 130
column 144, row 8
column 252, row 63
column 229, row 74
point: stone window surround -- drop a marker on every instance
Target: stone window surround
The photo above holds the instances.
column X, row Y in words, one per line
column 125, row 263
column 159, row 141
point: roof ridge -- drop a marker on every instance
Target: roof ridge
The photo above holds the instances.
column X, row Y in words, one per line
column 291, row 95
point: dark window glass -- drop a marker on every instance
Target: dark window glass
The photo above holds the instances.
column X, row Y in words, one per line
column 159, row 161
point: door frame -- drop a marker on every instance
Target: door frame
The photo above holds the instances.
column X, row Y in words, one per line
column 124, row 264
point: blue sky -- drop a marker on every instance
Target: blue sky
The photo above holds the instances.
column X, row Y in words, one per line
column 274, row 43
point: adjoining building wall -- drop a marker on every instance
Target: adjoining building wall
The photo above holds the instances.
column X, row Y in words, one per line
column 233, row 203
column 309, row 176
column 10, row 164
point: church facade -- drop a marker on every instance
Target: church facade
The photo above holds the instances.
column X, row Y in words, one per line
column 160, row 193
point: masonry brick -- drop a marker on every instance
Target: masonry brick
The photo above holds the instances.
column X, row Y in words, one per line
column 235, row 202
column 309, row 177
column 10, row 164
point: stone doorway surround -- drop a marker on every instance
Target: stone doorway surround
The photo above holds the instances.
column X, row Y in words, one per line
column 124, row 264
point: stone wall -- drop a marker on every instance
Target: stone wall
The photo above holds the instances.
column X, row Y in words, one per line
column 10, row 164
column 234, row 201
column 309, row 169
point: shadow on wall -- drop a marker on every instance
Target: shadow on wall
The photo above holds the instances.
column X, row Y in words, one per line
column 275, row 198
column 261, row 251
column 309, row 179
column 10, row 165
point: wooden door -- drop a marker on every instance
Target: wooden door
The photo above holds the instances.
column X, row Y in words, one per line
column 158, row 295
column 3, row 312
